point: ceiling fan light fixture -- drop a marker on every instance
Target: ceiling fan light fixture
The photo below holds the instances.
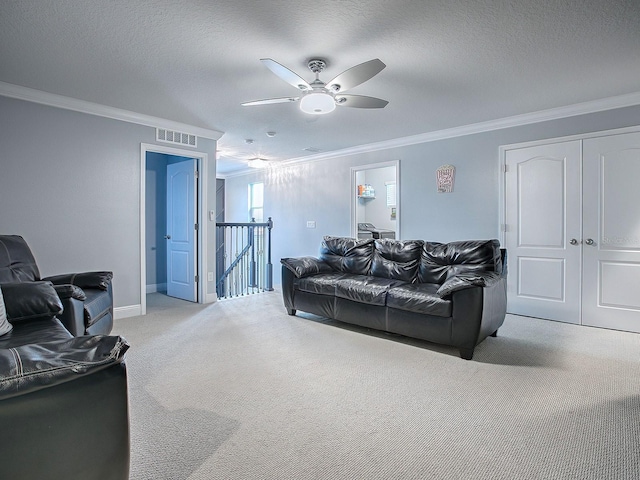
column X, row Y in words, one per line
column 258, row 163
column 317, row 103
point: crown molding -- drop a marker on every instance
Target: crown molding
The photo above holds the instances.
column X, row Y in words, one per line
column 584, row 108
column 82, row 106
column 594, row 106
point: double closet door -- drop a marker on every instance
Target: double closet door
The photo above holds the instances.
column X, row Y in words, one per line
column 572, row 212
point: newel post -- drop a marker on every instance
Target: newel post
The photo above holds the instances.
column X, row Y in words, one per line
column 269, row 279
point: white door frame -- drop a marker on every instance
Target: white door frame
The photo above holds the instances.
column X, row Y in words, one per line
column 354, row 193
column 203, row 165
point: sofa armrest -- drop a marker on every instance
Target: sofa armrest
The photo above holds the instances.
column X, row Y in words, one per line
column 25, row 301
column 468, row 280
column 504, row 256
column 100, row 280
column 69, row 291
column 477, row 313
column 305, row 266
column 72, row 317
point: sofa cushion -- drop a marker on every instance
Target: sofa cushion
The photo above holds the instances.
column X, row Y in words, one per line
column 440, row 261
column 37, row 330
column 397, row 259
column 347, row 255
column 26, row 301
column 365, row 289
column 17, row 263
column 419, row 298
column 323, row 283
column 5, row 326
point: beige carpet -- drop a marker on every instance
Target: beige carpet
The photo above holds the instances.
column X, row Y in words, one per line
column 240, row 390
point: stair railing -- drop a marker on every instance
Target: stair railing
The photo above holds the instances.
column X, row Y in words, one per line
column 244, row 258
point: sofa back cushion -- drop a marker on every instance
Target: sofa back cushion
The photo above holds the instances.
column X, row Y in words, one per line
column 5, row 326
column 396, row 259
column 17, row 263
column 347, row 255
column 439, row 261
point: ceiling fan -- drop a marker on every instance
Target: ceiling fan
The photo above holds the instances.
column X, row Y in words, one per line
column 319, row 97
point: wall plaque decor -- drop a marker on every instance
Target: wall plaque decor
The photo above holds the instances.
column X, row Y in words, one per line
column 445, row 176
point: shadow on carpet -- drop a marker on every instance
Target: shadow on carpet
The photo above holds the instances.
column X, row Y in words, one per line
column 197, row 434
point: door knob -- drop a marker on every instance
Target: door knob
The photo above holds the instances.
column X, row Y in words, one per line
column 168, row 237
column 573, row 241
column 589, row 241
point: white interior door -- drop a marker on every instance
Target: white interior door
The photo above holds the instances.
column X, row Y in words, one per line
column 611, row 282
column 181, row 230
column 543, row 231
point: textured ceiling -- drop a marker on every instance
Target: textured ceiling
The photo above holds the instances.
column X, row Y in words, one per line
column 449, row 62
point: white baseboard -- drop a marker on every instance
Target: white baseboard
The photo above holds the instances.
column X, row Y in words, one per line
column 158, row 287
column 210, row 297
column 129, row 311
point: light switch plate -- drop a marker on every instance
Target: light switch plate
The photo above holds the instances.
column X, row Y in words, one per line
column 311, row 224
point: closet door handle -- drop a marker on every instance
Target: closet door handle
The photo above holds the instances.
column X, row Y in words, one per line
column 573, row 241
column 589, row 241
column 168, row 237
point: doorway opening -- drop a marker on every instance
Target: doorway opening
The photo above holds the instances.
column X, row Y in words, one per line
column 375, row 200
column 173, row 193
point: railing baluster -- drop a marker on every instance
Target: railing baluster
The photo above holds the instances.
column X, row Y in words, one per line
column 246, row 257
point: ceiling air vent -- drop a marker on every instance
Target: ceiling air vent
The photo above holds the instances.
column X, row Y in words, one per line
column 179, row 138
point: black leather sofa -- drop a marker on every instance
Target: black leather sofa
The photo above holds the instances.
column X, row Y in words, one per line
column 63, row 399
column 447, row 293
column 87, row 297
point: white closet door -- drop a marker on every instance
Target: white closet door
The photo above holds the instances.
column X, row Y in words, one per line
column 611, row 246
column 543, row 231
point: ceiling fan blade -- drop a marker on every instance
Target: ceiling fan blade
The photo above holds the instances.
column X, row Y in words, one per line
column 356, row 75
column 285, row 74
column 360, row 101
column 269, row 101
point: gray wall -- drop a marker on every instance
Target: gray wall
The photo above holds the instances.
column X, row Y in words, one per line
column 320, row 190
column 70, row 184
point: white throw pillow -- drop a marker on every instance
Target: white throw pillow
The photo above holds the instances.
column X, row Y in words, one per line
column 5, row 326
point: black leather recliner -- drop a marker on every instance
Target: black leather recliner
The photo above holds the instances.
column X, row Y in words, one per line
column 64, row 410
column 87, row 298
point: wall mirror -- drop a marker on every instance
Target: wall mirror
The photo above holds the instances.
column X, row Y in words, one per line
column 375, row 200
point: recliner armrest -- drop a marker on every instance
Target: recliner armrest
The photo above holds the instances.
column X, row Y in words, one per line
column 99, row 280
column 70, row 291
column 28, row 368
column 305, row 266
column 468, row 280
